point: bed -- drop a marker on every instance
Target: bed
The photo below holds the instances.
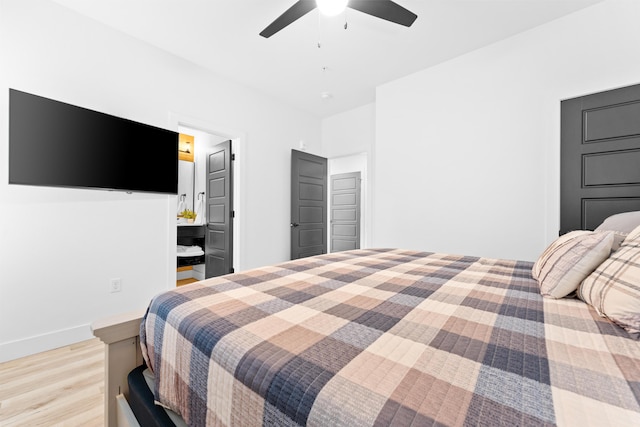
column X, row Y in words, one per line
column 389, row 336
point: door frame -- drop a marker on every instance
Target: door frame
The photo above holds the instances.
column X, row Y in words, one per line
column 238, row 138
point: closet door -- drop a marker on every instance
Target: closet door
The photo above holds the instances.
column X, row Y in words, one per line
column 345, row 211
column 600, row 154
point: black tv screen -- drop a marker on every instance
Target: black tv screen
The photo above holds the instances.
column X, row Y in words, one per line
column 55, row 144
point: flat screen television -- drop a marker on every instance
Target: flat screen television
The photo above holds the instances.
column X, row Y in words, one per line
column 55, row 144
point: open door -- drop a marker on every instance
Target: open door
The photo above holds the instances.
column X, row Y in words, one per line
column 308, row 204
column 218, row 249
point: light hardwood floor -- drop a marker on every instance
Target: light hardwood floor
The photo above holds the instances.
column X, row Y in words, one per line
column 61, row 387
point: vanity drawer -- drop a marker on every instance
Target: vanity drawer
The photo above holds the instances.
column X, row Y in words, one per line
column 190, row 231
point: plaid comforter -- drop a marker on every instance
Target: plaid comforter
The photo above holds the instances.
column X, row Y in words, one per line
column 388, row 337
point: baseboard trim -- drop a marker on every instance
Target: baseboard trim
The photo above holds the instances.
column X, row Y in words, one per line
column 25, row 347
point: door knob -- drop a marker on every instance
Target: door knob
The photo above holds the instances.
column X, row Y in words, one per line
column 294, row 224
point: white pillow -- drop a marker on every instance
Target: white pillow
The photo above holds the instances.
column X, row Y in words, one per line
column 569, row 260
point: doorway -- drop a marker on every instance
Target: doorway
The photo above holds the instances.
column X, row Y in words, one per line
column 351, row 164
column 204, row 184
column 344, row 217
column 312, row 204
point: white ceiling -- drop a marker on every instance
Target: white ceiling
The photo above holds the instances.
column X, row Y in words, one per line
column 222, row 35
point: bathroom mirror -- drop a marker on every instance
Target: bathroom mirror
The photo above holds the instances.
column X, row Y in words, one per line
column 186, row 177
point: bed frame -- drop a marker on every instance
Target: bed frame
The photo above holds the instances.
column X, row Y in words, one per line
column 120, row 334
column 582, row 147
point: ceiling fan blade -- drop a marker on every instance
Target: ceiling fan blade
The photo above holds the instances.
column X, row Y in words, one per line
column 385, row 9
column 297, row 11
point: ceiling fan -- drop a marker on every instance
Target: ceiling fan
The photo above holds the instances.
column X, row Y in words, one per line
column 384, row 9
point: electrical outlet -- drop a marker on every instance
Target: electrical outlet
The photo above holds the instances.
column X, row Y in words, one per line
column 115, row 285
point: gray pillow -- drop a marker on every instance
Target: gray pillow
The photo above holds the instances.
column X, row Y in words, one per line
column 621, row 224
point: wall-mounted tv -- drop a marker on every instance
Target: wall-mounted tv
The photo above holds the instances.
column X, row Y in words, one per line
column 55, row 144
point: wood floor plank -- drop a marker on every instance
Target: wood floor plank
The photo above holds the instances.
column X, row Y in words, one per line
column 51, row 394
column 61, row 410
column 20, row 368
column 64, row 373
column 61, row 387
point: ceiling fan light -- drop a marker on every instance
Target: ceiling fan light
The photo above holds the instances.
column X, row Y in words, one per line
column 331, row 7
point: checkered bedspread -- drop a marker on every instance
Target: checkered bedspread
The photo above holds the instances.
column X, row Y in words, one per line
column 388, row 337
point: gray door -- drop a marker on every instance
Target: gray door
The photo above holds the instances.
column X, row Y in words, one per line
column 600, row 157
column 345, row 211
column 308, row 205
column 219, row 231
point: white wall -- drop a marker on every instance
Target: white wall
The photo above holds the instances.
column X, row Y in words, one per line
column 350, row 132
column 60, row 247
column 351, row 136
column 467, row 153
